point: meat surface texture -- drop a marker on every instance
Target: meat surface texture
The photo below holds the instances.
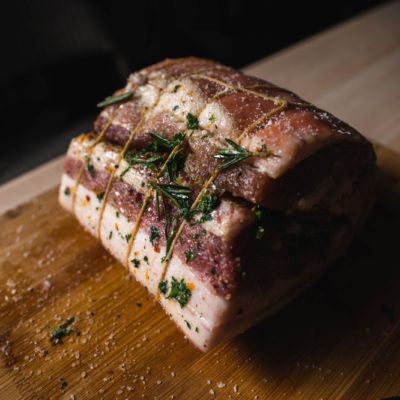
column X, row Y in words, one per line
column 222, row 194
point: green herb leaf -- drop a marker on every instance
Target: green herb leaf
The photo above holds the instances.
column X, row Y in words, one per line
column 191, row 254
column 135, row 262
column 146, row 259
column 62, row 331
column 67, row 191
column 100, row 196
column 168, row 143
column 64, row 384
column 208, row 203
column 174, row 108
column 232, row 156
column 176, row 88
column 90, row 167
column 163, row 286
column 179, row 291
column 147, row 158
column 128, row 237
column 154, row 235
column 174, row 165
column 178, row 194
column 115, row 99
column 188, row 324
column 192, row 121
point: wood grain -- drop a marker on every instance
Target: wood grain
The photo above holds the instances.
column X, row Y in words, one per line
column 334, row 342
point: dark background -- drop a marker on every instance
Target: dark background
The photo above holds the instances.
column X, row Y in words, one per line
column 59, row 58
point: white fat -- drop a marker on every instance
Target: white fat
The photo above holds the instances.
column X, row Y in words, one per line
column 158, row 79
column 65, row 193
column 80, row 146
column 136, row 79
column 87, row 209
column 113, row 232
column 147, row 95
column 104, row 157
column 136, row 177
column 228, row 220
column 150, row 269
column 205, row 311
column 184, row 94
column 215, row 119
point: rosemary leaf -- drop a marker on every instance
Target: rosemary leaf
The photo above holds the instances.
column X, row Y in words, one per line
column 115, row 99
column 232, row 156
column 235, row 154
column 179, row 195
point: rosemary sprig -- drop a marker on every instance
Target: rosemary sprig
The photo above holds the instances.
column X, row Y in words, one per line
column 148, row 159
column 235, row 154
column 115, row 99
column 179, row 195
column 168, row 143
column 176, row 161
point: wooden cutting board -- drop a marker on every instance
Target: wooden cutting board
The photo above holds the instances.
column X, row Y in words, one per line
column 339, row 340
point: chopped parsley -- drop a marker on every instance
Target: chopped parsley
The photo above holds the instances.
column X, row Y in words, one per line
column 163, row 286
column 154, row 235
column 191, row 254
column 197, row 329
column 179, row 291
column 135, row 262
column 212, row 118
column 115, row 99
column 192, row 121
column 176, row 88
column 117, row 214
column 110, row 234
column 188, row 324
column 208, row 203
column 174, row 108
column 90, row 167
column 128, row 237
column 67, row 191
column 146, row 259
column 62, row 331
column 100, row 196
column 64, row 384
